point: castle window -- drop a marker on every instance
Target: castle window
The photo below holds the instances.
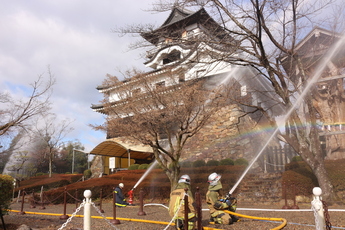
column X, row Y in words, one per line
column 171, row 57
column 181, row 78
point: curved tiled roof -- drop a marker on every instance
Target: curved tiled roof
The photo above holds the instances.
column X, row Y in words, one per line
column 179, row 19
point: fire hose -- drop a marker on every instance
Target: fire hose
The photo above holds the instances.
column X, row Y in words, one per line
column 233, row 201
column 261, row 218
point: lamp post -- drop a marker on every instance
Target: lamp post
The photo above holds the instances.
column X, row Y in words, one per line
column 73, row 161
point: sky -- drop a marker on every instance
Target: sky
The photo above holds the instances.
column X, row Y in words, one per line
column 75, row 39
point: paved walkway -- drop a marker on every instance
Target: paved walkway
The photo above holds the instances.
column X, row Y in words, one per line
column 130, row 219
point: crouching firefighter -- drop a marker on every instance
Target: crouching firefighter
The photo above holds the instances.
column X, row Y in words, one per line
column 217, row 203
column 120, row 198
column 177, row 206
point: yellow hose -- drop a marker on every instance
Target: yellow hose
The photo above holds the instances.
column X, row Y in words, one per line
column 261, row 218
column 99, row 217
column 38, row 213
column 166, row 223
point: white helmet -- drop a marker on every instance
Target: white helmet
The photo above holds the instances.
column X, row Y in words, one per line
column 213, row 178
column 184, row 179
column 121, row 185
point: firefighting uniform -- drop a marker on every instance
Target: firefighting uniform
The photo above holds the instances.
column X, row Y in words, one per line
column 176, row 204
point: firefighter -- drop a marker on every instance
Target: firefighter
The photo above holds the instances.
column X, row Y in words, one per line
column 217, row 203
column 176, row 204
column 120, row 200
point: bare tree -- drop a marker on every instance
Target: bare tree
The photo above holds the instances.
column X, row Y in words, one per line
column 16, row 113
column 164, row 118
column 265, row 37
column 52, row 134
column 268, row 32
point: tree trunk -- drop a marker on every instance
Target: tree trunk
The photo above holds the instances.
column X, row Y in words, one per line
column 50, row 164
column 319, row 170
column 173, row 175
column 308, row 146
column 171, row 167
column 317, row 165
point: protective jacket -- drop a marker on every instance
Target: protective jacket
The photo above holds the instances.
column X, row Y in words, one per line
column 120, row 198
column 216, row 206
column 176, row 203
column 213, row 198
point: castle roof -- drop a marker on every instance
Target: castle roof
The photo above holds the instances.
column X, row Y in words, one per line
column 311, row 48
column 179, row 19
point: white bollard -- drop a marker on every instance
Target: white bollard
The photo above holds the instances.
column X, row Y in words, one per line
column 87, row 210
column 317, row 207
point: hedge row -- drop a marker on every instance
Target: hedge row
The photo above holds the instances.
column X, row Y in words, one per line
column 201, row 163
column 197, row 163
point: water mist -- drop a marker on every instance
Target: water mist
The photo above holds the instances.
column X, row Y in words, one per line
column 145, row 174
column 331, row 53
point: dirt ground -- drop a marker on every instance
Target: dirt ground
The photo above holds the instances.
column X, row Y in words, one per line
column 130, row 218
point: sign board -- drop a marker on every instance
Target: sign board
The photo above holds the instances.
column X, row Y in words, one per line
column 111, row 162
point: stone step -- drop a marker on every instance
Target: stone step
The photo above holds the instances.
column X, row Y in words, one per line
column 261, row 187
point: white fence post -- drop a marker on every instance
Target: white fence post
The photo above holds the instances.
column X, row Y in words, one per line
column 87, row 210
column 317, row 207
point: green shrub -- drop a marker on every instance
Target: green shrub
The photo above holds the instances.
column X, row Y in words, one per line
column 241, row 161
column 186, row 164
column 6, row 185
column 157, row 166
column 226, row 161
column 199, row 163
column 212, row 163
column 296, row 158
column 297, row 165
column 143, row 166
column 40, row 174
column 133, row 167
column 87, row 173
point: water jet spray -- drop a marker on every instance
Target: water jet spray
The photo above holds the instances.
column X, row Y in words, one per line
column 331, row 53
column 145, row 174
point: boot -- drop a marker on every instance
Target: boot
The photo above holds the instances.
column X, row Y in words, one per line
column 212, row 221
column 179, row 224
column 234, row 218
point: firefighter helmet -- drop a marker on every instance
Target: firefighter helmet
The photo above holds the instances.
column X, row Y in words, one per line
column 184, row 179
column 213, row 178
column 121, row 185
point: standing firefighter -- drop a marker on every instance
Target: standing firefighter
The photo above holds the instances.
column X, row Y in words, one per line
column 217, row 204
column 176, row 204
column 120, row 198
